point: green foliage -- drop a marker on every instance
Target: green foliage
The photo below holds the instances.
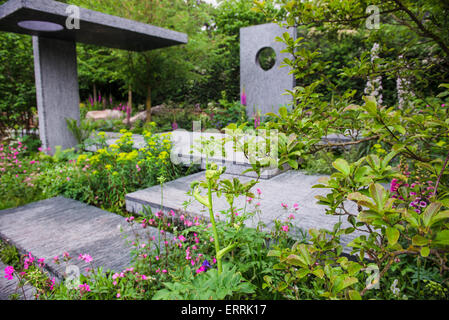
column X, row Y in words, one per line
column 17, row 89
column 9, row 254
column 82, row 131
column 210, row 285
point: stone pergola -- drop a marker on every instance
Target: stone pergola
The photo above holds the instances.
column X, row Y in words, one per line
column 55, row 62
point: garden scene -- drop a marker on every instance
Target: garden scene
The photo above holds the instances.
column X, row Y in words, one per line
column 224, row 150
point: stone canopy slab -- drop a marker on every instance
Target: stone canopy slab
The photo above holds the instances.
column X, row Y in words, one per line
column 56, row 28
column 95, row 27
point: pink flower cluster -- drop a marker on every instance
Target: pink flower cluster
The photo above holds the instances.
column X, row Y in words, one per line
column 418, row 193
column 29, row 260
column 85, row 257
column 9, row 273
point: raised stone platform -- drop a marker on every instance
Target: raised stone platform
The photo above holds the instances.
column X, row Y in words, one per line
column 185, row 152
column 51, row 227
column 289, row 187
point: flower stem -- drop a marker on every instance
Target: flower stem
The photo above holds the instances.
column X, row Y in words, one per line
column 214, row 227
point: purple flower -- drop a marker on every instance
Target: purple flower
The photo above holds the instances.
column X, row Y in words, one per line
column 206, row 265
column 423, row 204
column 128, row 112
column 174, row 125
column 243, row 98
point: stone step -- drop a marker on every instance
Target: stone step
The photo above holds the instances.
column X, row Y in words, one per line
column 51, row 227
column 289, row 187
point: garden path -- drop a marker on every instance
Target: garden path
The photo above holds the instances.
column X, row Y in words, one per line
column 289, row 188
column 48, row 228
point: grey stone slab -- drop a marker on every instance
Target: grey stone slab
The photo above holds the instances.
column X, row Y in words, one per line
column 94, row 27
column 51, row 227
column 56, row 91
column 289, row 187
column 264, row 88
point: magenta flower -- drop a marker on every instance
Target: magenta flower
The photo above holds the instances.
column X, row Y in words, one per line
column 85, row 257
column 243, row 98
column 9, row 271
column 284, row 205
column 285, row 228
column 41, row 262
column 84, row 288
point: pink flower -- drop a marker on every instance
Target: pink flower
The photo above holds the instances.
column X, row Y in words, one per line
column 285, row 228
column 259, row 191
column 118, row 295
column 52, row 285
column 284, row 205
column 296, row 206
column 84, row 288
column 9, row 271
column 85, row 257
column 144, row 277
column 243, row 98
column 41, row 262
column 182, row 238
column 201, row 269
column 291, row 217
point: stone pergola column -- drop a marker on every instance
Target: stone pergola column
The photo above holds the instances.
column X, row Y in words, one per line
column 55, row 63
column 57, row 90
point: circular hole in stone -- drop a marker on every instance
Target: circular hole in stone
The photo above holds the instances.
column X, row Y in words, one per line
column 266, row 58
column 40, row 26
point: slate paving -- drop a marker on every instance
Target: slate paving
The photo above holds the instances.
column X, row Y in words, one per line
column 289, row 188
column 51, row 227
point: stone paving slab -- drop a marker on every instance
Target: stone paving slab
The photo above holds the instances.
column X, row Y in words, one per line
column 289, row 187
column 51, row 227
